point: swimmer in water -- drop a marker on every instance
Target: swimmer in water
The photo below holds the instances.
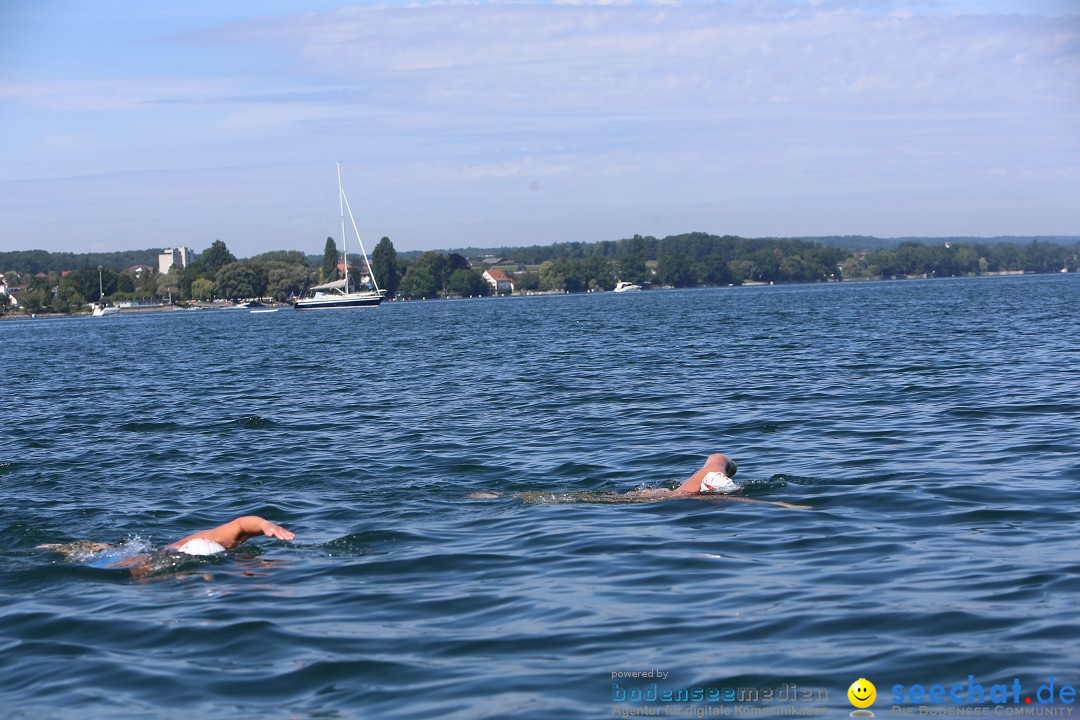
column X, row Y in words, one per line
column 712, row 481
column 205, row 542
column 227, row 536
column 714, row 476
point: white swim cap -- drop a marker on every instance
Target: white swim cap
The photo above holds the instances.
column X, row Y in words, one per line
column 201, row 546
column 718, row 482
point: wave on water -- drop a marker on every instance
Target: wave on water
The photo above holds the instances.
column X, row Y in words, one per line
column 155, row 427
column 254, row 422
column 368, row 542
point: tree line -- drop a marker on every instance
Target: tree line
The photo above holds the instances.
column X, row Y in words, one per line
column 688, row 260
column 218, row 275
column 652, row 247
column 697, row 259
column 32, row 262
column 915, row 259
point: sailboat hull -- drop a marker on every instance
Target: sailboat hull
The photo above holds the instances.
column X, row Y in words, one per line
column 337, row 302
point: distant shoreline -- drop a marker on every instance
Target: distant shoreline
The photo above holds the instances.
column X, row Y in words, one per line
column 534, row 293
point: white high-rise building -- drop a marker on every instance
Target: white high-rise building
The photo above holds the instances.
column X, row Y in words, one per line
column 179, row 257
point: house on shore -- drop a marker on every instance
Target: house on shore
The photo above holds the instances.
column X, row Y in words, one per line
column 500, row 281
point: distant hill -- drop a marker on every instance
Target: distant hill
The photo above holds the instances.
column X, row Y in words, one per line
column 851, row 243
column 856, row 243
column 42, row 261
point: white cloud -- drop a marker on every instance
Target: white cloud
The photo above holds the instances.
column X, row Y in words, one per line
column 593, row 2
column 263, row 117
column 523, row 167
column 112, row 94
column 768, row 58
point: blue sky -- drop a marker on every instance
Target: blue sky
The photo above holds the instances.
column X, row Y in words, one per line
column 129, row 124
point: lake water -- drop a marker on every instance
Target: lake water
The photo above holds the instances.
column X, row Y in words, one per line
column 932, row 427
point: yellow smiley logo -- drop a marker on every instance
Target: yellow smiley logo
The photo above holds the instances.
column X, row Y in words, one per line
column 862, row 693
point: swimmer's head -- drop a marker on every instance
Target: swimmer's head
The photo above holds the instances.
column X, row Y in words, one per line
column 201, row 546
column 730, row 468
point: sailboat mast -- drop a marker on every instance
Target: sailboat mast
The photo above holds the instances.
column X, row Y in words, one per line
column 341, row 207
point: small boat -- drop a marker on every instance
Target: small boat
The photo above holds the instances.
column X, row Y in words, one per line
column 100, row 309
column 624, row 286
column 265, row 310
column 339, row 293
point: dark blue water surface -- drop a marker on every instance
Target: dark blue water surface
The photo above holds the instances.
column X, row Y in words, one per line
column 933, row 427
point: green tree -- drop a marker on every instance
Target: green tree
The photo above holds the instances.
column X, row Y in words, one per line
column 795, row 268
column 85, row 282
column 288, row 280
column 527, row 281
column 35, row 299
column 632, row 269
column 289, row 257
column 215, row 258
column 741, row 270
column 261, row 271
column 595, row 273
column 553, row 274
column 330, row 260
column 187, row 276
column 235, row 280
column 384, row 265
column 455, row 261
column 202, row 289
column 766, row 265
column 468, row 282
column 714, row 270
column 425, row 275
column 855, row 268
column 674, row 269
column 146, row 285
column 577, row 275
column 169, row 284
column 68, row 300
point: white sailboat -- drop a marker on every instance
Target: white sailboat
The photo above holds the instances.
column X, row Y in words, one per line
column 338, row 294
column 100, row 309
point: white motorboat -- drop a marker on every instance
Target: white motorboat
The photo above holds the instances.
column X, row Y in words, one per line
column 624, row 286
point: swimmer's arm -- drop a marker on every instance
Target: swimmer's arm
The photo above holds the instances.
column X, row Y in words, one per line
column 717, row 462
column 690, row 487
column 693, row 485
column 237, row 531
